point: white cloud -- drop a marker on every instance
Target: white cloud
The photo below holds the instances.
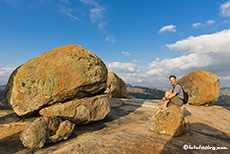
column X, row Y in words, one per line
column 110, row 39
column 225, row 77
column 136, row 61
column 5, row 74
column 211, row 43
column 225, row 9
column 122, row 67
column 184, row 62
column 209, row 22
column 126, row 53
column 210, row 52
column 96, row 13
column 129, row 72
column 157, row 59
column 68, row 12
column 226, row 21
column 169, row 28
column 90, row 2
column 196, row 25
column 102, row 25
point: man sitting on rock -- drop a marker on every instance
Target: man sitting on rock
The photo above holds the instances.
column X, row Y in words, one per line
column 173, row 97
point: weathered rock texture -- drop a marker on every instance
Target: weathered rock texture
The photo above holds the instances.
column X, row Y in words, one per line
column 202, row 87
column 116, row 86
column 65, row 129
column 126, row 130
column 170, row 122
column 43, row 129
column 36, row 134
column 58, row 75
column 81, row 111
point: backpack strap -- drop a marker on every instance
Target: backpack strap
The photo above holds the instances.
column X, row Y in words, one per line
column 175, row 86
column 181, row 87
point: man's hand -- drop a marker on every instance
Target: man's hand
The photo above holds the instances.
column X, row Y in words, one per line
column 164, row 99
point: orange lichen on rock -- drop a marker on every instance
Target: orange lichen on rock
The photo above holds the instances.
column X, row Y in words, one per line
column 116, row 86
column 55, row 76
column 170, row 122
column 202, row 87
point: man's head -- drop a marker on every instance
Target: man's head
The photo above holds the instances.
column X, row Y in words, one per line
column 172, row 79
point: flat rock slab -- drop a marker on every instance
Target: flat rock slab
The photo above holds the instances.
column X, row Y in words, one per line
column 126, row 130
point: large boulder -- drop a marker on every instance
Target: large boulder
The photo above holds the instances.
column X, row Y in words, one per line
column 80, row 111
column 61, row 74
column 116, row 86
column 170, row 122
column 46, row 129
column 202, row 87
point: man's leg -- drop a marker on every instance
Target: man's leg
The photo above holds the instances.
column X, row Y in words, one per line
column 162, row 106
column 158, row 111
column 177, row 101
column 167, row 93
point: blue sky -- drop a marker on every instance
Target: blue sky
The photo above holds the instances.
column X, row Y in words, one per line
column 143, row 41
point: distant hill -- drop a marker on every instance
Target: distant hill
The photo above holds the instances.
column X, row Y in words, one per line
column 224, row 97
column 224, row 94
column 2, row 87
column 225, row 91
column 144, row 92
column 3, row 103
column 158, row 93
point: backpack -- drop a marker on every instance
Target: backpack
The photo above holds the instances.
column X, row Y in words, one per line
column 185, row 100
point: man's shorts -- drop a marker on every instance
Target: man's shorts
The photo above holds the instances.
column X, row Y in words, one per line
column 175, row 101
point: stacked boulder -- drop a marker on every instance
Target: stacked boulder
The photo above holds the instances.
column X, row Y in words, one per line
column 67, row 82
column 80, row 111
column 202, row 87
column 116, row 86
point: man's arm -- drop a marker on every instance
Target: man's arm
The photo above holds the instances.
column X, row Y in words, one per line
column 170, row 96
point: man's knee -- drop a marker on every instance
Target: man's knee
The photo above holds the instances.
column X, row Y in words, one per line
column 167, row 93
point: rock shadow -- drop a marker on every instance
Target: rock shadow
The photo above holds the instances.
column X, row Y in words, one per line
column 119, row 109
column 198, row 134
column 10, row 117
column 186, row 112
column 11, row 144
